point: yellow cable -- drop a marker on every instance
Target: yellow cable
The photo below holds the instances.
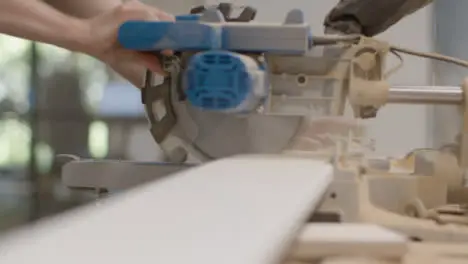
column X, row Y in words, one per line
column 431, row 55
column 397, row 67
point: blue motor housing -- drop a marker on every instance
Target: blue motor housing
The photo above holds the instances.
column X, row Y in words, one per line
column 225, row 81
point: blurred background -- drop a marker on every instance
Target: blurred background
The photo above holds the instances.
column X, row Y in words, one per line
column 56, row 102
column 53, row 102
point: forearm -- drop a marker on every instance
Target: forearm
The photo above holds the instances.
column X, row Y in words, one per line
column 84, row 8
column 37, row 21
column 369, row 17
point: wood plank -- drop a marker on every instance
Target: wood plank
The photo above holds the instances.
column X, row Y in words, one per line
column 239, row 210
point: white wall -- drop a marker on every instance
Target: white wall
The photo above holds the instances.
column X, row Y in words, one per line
column 451, row 40
column 397, row 128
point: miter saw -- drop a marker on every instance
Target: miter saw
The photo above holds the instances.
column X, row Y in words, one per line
column 236, row 87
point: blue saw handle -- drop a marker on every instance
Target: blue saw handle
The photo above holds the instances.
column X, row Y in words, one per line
column 183, row 34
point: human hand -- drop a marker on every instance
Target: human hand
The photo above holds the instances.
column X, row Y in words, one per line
column 103, row 45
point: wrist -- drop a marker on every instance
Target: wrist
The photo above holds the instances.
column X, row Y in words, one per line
column 78, row 38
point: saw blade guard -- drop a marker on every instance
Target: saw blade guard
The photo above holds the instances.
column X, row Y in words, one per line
column 252, row 87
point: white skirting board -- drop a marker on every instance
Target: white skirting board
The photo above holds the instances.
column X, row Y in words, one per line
column 239, row 210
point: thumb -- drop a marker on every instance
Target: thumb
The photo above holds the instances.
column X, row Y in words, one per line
column 132, row 65
column 150, row 61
